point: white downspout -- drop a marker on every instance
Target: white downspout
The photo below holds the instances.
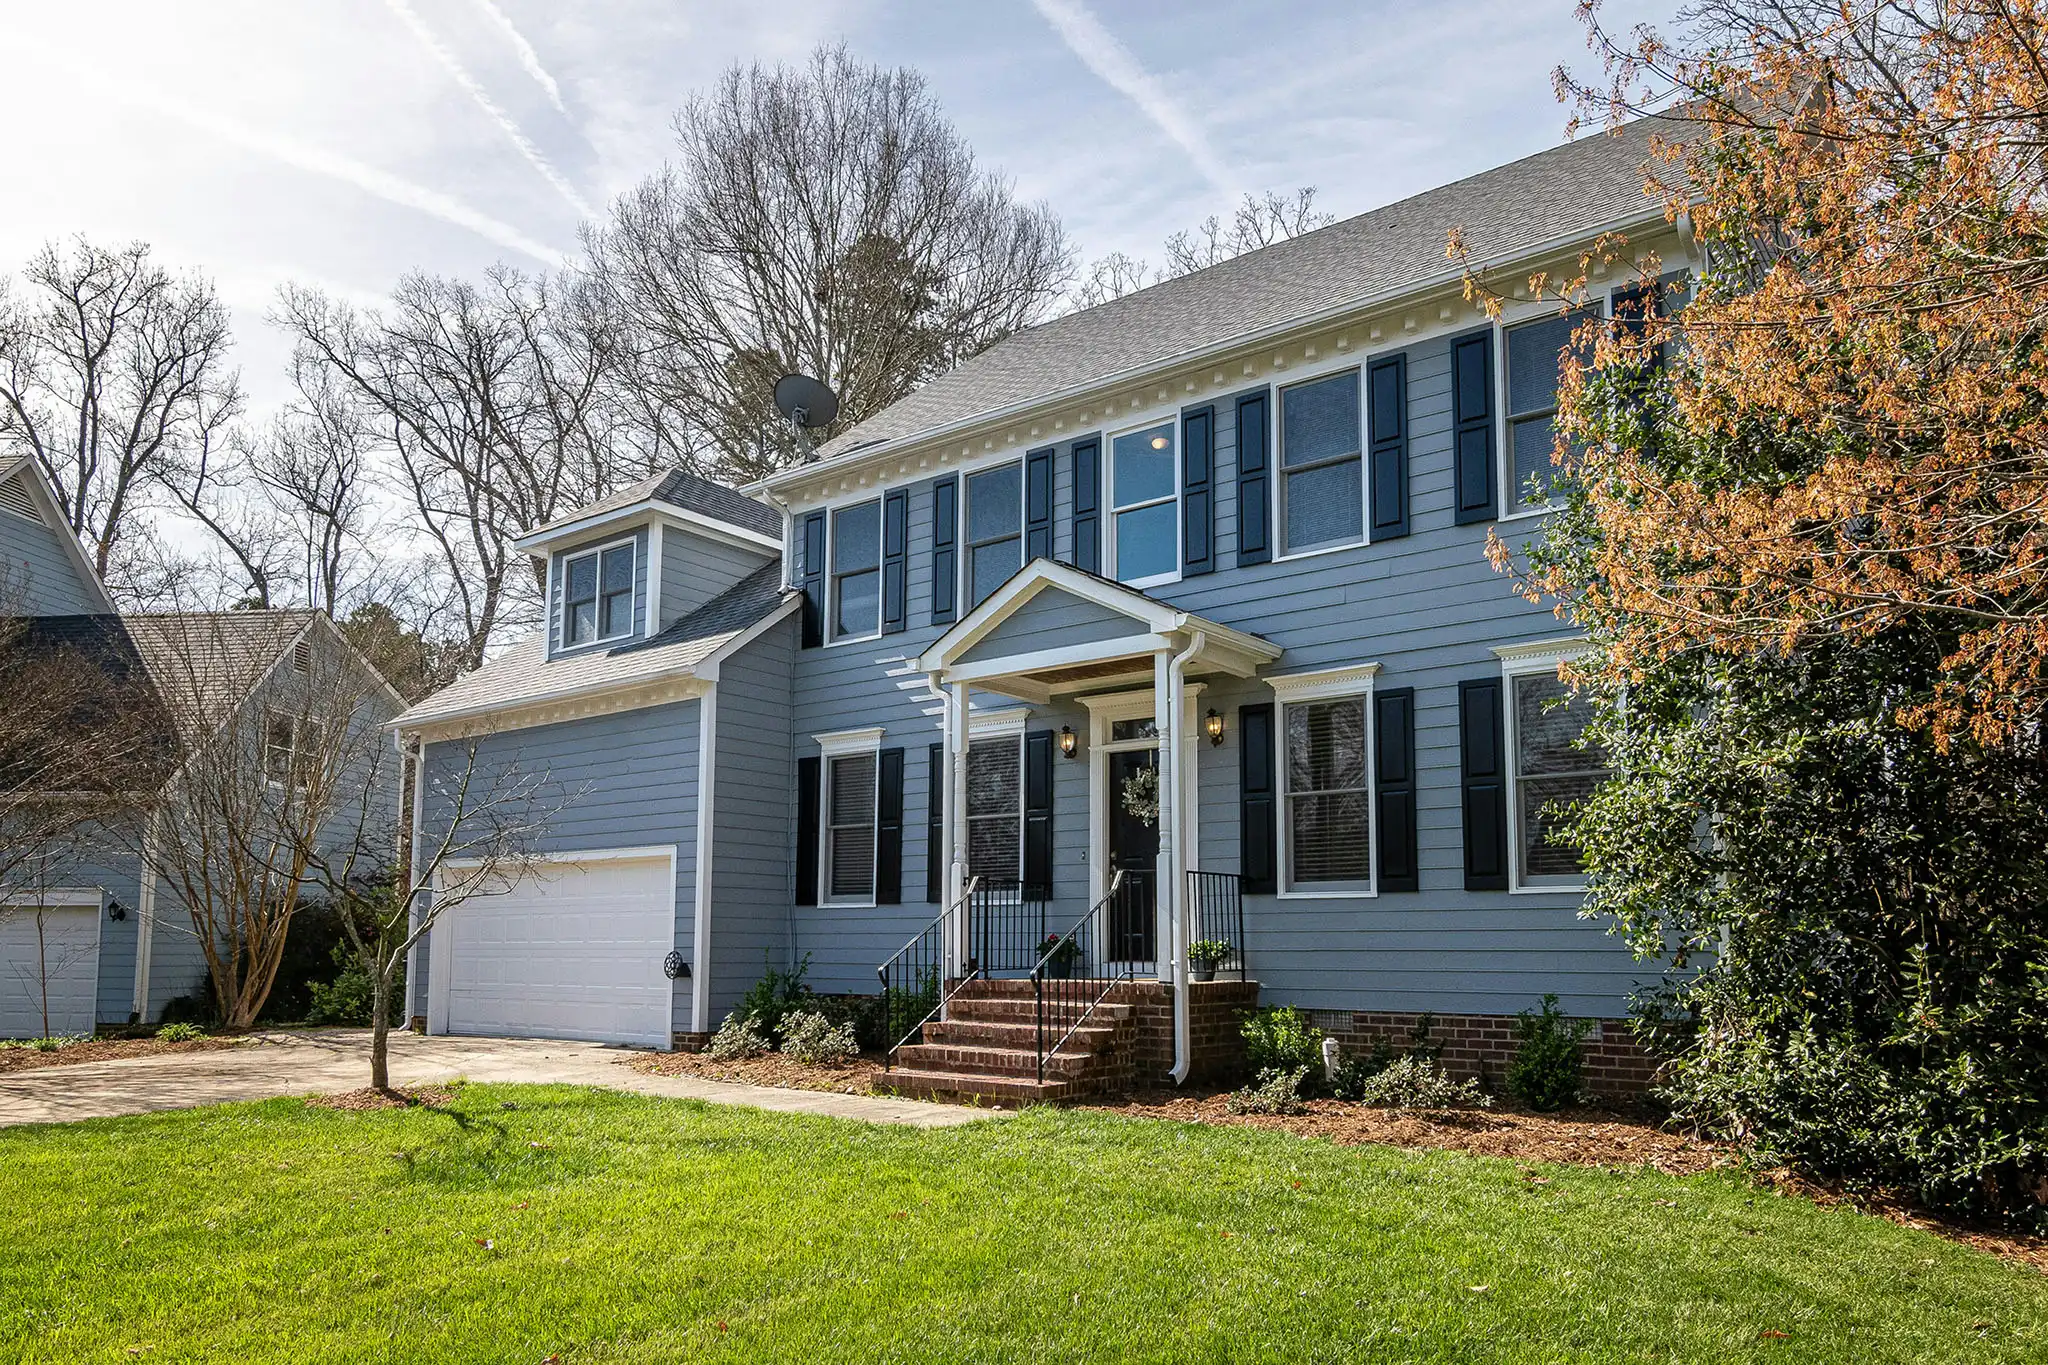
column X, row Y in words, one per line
column 145, row 916
column 956, row 823
column 700, row 935
column 1170, row 781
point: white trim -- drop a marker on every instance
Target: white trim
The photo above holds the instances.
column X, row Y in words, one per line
column 145, row 918
column 700, row 932
column 1536, row 656
column 717, row 528
column 836, row 742
column 1065, row 656
column 831, row 603
column 57, row 898
column 1276, row 442
column 655, row 535
column 558, row 646
column 1109, row 510
column 1010, row 720
column 1319, row 685
column 1532, row 658
column 441, row 947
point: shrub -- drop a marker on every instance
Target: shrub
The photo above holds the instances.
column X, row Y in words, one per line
column 861, row 1013
column 775, row 996
column 1275, row 1092
column 737, row 1039
column 1545, row 1072
column 1280, row 1038
column 350, row 995
column 813, row 1039
column 179, row 1033
column 1419, row 1083
column 1356, row 1069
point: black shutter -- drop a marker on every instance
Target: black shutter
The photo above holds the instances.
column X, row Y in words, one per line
column 1197, row 491
column 1038, row 814
column 889, row 828
column 1472, row 417
column 935, row 826
column 1484, row 766
column 808, row 771
column 1393, row 726
column 1254, row 483
column 1087, row 518
column 813, row 580
column 1387, row 423
column 1258, row 845
column 945, row 548
column 896, row 561
column 1038, row 505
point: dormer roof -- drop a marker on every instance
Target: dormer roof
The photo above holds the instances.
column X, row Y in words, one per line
column 674, row 495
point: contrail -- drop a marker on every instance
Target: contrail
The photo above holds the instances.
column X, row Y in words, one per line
column 300, row 156
column 454, row 67
column 528, row 58
column 1101, row 52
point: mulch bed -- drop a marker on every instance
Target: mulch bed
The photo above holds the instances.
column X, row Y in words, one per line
column 103, row 1050
column 849, row 1078
column 370, row 1098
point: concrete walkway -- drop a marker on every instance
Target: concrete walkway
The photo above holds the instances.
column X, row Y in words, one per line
column 329, row 1061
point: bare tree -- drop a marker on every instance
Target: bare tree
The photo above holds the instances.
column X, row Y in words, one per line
column 1115, row 275
column 114, row 374
column 825, row 218
column 1257, row 222
column 502, row 407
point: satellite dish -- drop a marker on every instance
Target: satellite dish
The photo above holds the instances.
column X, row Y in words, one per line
column 805, row 401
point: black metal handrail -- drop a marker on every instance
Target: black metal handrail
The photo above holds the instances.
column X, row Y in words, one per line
column 914, row 980
column 1217, row 899
column 1063, row 990
column 1007, row 927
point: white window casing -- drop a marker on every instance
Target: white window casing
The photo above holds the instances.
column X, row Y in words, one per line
column 1323, row 701
column 850, row 818
column 1529, row 684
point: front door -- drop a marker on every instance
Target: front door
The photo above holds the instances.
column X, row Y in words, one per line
column 1134, row 851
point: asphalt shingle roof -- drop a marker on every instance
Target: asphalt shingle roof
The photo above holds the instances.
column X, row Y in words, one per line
column 1574, row 189
column 524, row 674
column 205, row 664
column 692, row 493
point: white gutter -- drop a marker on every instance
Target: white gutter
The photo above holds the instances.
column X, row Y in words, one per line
column 1170, row 782
column 707, row 781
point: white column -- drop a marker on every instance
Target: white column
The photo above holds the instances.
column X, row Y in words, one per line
column 955, row 823
column 1166, row 717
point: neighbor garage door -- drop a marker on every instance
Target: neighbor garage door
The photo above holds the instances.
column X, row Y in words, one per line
column 48, row 957
column 573, row 950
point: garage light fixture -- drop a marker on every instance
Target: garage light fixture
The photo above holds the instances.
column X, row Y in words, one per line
column 674, row 967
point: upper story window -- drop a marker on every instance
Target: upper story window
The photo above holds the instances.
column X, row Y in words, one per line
column 1322, row 476
column 292, row 750
column 1535, row 356
column 995, row 529
column 1329, row 803
column 597, row 595
column 1553, row 771
column 857, row 571
column 1144, row 490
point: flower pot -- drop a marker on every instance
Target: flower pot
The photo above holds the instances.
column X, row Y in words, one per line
column 1201, row 971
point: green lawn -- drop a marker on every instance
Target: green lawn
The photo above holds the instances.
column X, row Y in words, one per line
column 608, row 1227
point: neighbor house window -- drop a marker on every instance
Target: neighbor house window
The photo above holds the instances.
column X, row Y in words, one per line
column 995, row 529
column 291, row 749
column 1144, row 494
column 857, row 571
column 597, row 595
column 1329, row 830
column 1535, row 355
column 1553, row 772
column 1322, row 476
column 850, row 827
column 995, row 808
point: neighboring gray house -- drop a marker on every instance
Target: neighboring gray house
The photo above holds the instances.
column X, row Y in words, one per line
column 1190, row 586
column 92, row 940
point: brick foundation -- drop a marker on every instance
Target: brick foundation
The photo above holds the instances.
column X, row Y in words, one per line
column 1216, row 1010
column 689, row 1042
column 1481, row 1045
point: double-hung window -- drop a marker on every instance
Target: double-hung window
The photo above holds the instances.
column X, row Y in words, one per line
column 1553, row 771
column 857, row 571
column 995, row 529
column 1322, row 473
column 995, row 808
column 1536, row 353
column 850, row 811
column 1328, row 794
column 597, row 595
column 1145, row 501
column 292, row 748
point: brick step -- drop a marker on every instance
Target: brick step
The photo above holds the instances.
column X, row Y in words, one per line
column 1002, row 1011
column 947, row 1085
column 1010, row 1033
column 995, row 1061
column 1011, row 988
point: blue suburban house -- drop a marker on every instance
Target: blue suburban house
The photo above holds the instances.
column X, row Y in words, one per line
column 95, row 927
column 1166, row 623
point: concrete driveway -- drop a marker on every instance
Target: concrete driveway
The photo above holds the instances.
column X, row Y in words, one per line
column 329, row 1061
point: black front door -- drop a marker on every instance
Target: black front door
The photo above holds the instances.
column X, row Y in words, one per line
column 1134, row 851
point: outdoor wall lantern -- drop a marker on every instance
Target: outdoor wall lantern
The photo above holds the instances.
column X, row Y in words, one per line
column 674, row 968
column 1213, row 723
column 1067, row 740
column 116, row 911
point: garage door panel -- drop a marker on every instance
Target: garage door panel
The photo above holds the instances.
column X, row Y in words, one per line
column 66, row 962
column 573, row 951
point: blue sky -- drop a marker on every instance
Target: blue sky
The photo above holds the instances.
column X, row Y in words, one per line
column 344, row 142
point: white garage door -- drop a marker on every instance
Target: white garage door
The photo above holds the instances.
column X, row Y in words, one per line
column 573, row 950
column 48, row 957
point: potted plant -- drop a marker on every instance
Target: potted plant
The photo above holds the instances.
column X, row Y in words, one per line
column 1203, row 955
column 1059, row 952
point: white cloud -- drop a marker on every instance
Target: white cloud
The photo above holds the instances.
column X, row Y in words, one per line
column 528, row 57
column 1102, row 53
column 452, row 64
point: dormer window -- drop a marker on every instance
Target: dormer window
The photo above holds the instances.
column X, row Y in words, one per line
column 597, row 595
